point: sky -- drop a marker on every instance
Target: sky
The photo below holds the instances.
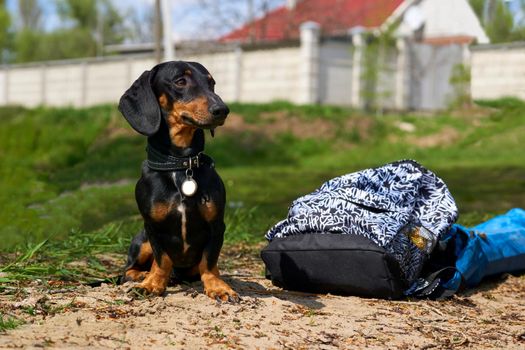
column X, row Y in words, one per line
column 189, row 17
column 514, row 5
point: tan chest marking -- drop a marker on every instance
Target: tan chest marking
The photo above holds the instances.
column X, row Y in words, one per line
column 160, row 211
column 183, row 229
column 180, row 134
column 208, row 210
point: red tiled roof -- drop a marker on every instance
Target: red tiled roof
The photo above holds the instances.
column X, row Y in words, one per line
column 447, row 40
column 334, row 16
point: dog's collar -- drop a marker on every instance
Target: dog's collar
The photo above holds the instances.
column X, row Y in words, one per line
column 166, row 162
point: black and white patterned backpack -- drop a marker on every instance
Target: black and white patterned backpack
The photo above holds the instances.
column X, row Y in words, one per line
column 365, row 233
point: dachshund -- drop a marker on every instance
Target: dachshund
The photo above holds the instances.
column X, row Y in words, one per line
column 179, row 195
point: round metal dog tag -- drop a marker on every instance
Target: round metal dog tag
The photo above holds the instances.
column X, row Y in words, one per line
column 189, row 187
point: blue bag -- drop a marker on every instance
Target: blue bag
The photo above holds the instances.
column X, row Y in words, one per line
column 493, row 247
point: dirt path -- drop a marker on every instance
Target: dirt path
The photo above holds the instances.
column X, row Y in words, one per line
column 492, row 316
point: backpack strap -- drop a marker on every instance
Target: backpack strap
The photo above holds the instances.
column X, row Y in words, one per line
column 435, row 286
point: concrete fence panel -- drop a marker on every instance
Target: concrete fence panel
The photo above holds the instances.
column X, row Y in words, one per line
column 269, row 75
column 137, row 66
column 64, row 85
column 26, row 86
column 311, row 70
column 498, row 71
column 105, row 82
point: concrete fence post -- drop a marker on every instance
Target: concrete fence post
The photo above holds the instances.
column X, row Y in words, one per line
column 401, row 74
column 237, row 75
column 7, row 86
column 309, row 66
column 84, row 92
column 3, row 87
column 466, row 55
column 43, row 85
column 357, row 69
column 129, row 73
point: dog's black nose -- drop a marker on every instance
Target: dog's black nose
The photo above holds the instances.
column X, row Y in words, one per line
column 219, row 110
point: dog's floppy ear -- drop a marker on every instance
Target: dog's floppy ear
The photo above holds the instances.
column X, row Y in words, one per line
column 140, row 106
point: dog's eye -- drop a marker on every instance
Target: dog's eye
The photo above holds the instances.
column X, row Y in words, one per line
column 181, row 82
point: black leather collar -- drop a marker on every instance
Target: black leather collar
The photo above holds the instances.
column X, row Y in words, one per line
column 166, row 162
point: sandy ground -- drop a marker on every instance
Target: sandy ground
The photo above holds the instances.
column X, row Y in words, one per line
column 109, row 316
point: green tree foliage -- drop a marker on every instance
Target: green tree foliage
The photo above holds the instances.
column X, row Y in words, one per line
column 100, row 17
column 500, row 24
column 88, row 26
column 58, row 44
column 519, row 27
column 498, row 21
column 5, row 22
column 30, row 14
column 460, row 81
column 378, row 51
column 477, row 6
column 83, row 12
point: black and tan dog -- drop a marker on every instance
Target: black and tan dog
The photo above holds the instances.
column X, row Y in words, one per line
column 180, row 195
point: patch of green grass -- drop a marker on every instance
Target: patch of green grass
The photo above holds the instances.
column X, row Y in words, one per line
column 252, row 112
column 74, row 259
column 250, row 149
column 505, row 103
column 8, row 322
column 50, row 155
column 67, row 175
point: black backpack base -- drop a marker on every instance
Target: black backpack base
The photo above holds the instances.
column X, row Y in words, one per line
column 333, row 263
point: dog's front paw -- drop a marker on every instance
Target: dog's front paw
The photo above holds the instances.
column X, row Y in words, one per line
column 219, row 290
column 135, row 275
column 152, row 285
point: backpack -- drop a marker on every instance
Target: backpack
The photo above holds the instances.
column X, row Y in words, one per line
column 367, row 233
